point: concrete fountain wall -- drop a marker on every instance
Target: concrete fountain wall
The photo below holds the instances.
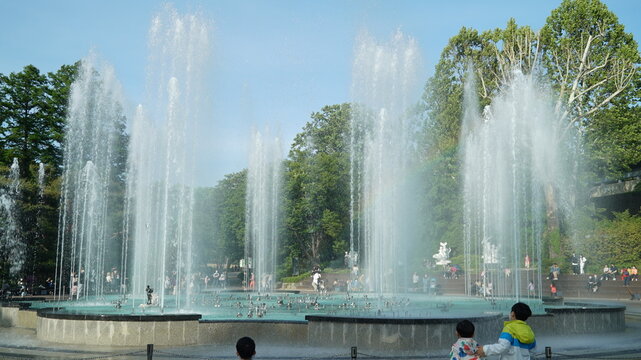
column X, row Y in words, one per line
column 420, row 335
column 396, row 335
column 118, row 330
column 264, row 331
column 380, row 335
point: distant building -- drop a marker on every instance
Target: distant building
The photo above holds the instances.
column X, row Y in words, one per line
column 620, row 194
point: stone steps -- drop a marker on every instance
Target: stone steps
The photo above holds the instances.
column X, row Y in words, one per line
column 568, row 286
column 576, row 286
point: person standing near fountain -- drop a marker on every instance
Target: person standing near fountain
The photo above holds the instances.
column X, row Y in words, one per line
column 575, row 264
column 530, row 289
column 316, row 280
column 149, row 292
column 517, row 338
column 555, row 270
column 222, row 280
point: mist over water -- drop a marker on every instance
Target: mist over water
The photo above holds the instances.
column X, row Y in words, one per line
column 263, row 206
column 384, row 87
column 511, row 157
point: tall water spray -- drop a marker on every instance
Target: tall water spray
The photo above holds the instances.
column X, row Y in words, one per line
column 161, row 171
column 264, row 177
column 90, row 174
column 12, row 245
column 511, row 154
column 41, row 180
column 384, row 87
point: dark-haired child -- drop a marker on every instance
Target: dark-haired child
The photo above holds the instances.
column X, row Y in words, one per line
column 245, row 348
column 465, row 344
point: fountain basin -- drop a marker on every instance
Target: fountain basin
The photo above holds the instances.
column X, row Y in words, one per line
column 424, row 325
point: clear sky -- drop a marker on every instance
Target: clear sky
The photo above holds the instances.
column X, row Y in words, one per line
column 275, row 62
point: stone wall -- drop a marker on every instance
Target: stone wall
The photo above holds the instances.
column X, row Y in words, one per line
column 18, row 316
column 579, row 318
column 398, row 336
column 174, row 330
column 267, row 332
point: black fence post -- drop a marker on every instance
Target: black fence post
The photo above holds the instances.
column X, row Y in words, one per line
column 548, row 352
column 150, row 351
column 354, row 352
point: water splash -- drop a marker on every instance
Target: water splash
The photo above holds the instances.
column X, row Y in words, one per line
column 263, row 208
column 12, row 244
column 383, row 88
column 510, row 154
column 161, row 171
column 89, row 176
column 41, row 180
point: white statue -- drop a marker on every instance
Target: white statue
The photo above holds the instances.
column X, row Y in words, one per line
column 582, row 261
column 443, row 254
column 490, row 252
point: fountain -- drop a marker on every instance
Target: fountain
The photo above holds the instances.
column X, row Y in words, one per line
column 89, row 176
column 156, row 249
column 41, row 180
column 13, row 247
column 510, row 154
column 263, row 210
column 160, row 174
column 384, row 88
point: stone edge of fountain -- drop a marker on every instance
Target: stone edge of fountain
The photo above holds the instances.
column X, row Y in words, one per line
column 400, row 320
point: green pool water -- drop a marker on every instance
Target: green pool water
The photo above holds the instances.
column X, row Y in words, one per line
column 293, row 307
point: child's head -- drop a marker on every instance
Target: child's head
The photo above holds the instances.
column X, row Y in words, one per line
column 521, row 311
column 245, row 347
column 465, row 329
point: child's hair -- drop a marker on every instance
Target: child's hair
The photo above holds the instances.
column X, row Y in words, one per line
column 465, row 329
column 521, row 311
column 246, row 347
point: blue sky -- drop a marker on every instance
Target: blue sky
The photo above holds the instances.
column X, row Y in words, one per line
column 275, row 62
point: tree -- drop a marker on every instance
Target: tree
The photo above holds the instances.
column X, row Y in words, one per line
column 317, row 187
column 32, row 114
column 58, row 100
column 228, row 216
column 23, row 100
column 613, row 241
column 590, row 59
column 613, row 141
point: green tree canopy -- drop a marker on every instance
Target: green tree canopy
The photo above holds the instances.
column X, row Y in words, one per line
column 32, row 114
column 317, row 210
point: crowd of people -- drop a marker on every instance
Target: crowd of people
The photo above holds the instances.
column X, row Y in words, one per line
column 113, row 282
column 627, row 274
